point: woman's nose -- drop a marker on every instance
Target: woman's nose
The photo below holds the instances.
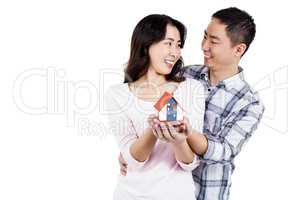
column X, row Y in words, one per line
column 175, row 51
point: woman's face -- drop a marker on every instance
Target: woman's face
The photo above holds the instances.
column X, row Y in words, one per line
column 164, row 54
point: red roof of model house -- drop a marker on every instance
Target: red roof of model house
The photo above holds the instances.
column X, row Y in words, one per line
column 163, row 101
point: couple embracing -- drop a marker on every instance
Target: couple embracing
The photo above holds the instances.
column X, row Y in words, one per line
column 189, row 157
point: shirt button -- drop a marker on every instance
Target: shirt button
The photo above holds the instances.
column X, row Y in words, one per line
column 208, row 89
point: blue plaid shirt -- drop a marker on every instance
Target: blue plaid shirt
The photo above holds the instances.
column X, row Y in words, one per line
column 232, row 113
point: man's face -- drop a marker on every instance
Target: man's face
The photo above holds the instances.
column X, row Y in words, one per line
column 216, row 46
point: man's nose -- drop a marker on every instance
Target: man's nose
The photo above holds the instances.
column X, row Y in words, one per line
column 205, row 45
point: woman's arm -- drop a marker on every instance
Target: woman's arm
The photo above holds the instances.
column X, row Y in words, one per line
column 169, row 132
column 197, row 142
column 183, row 152
column 143, row 146
column 135, row 147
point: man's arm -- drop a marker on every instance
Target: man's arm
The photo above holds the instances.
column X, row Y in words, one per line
column 236, row 133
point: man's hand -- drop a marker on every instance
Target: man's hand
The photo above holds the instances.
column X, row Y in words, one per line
column 123, row 165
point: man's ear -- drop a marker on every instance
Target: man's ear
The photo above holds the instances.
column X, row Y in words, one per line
column 240, row 49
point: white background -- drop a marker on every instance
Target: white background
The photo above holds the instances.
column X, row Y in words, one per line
column 53, row 55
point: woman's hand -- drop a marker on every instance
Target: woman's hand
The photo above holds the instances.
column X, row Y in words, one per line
column 180, row 129
column 176, row 133
column 154, row 124
column 185, row 126
column 173, row 131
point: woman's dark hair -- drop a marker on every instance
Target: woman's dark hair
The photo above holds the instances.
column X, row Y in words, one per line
column 150, row 30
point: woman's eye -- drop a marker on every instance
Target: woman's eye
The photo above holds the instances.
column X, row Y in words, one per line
column 168, row 43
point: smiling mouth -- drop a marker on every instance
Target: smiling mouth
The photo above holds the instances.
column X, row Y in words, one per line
column 207, row 56
column 170, row 63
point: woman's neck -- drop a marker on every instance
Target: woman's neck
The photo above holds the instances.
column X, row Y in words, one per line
column 151, row 86
column 152, row 78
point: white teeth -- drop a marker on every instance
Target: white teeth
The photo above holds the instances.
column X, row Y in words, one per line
column 169, row 62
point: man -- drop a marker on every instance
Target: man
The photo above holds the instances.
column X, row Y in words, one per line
column 233, row 111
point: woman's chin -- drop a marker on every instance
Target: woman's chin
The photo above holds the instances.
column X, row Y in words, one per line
column 165, row 72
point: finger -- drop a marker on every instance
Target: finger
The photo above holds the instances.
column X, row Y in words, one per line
column 150, row 122
column 168, row 135
column 155, row 133
column 123, row 172
column 124, row 168
column 154, row 123
column 150, row 118
column 164, row 134
column 158, row 132
column 121, row 160
column 172, row 130
column 123, row 165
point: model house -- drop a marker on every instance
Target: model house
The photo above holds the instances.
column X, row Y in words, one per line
column 168, row 108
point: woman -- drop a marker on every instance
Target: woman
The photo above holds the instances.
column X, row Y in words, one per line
column 159, row 163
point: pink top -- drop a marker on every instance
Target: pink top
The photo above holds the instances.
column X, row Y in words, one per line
column 161, row 176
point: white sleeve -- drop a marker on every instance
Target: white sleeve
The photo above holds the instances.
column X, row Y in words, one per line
column 195, row 108
column 191, row 166
column 197, row 105
column 121, row 126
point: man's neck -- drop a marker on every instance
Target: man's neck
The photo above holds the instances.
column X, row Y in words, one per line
column 217, row 75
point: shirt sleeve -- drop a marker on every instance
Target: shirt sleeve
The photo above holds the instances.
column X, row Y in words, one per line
column 234, row 134
column 195, row 107
column 121, row 126
column 190, row 166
